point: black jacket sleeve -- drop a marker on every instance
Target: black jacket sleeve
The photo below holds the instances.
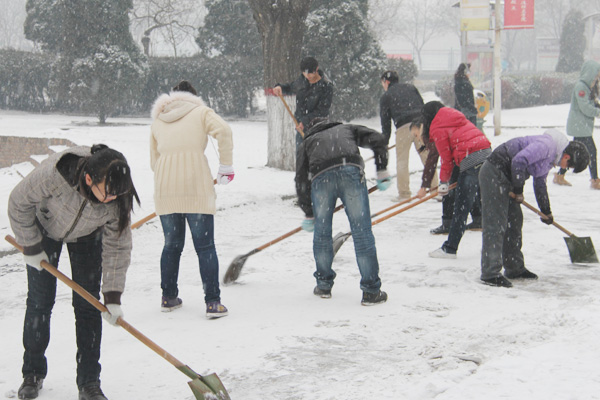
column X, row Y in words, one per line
column 385, row 115
column 371, row 139
column 541, row 194
column 303, row 190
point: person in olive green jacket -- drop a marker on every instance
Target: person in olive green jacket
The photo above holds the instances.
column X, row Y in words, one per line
column 580, row 123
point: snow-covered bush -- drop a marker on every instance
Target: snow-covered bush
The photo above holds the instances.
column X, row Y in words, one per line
column 24, row 80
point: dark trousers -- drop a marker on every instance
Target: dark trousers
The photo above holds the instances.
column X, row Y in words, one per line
column 86, row 270
column 466, row 194
column 588, row 141
column 448, row 202
column 502, row 225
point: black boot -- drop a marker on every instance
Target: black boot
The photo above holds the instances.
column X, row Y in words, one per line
column 30, row 387
column 475, row 225
column 371, row 299
column 91, row 391
column 443, row 229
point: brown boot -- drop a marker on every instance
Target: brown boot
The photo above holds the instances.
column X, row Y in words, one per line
column 595, row 184
column 560, row 180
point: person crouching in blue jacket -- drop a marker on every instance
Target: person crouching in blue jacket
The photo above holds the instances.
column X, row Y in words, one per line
column 501, row 182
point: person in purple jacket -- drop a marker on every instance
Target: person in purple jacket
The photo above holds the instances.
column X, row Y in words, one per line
column 501, row 182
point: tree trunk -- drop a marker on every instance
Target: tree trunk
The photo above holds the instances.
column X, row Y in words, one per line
column 281, row 24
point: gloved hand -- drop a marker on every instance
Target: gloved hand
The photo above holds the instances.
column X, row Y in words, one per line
column 35, row 260
column 443, row 189
column 517, row 197
column 383, row 180
column 113, row 313
column 308, row 224
column 549, row 220
column 225, row 174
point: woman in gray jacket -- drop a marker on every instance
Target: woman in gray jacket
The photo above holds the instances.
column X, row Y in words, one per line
column 82, row 197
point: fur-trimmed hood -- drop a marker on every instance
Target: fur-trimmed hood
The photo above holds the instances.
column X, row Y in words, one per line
column 175, row 105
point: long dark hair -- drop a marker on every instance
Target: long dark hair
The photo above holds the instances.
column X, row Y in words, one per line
column 428, row 113
column 461, row 72
column 110, row 166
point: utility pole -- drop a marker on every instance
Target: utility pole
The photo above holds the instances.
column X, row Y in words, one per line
column 497, row 70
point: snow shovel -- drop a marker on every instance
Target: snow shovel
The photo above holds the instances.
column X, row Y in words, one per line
column 341, row 238
column 208, row 387
column 147, row 218
column 581, row 249
column 291, row 115
column 235, row 268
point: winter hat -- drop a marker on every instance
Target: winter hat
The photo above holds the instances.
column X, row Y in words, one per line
column 185, row 86
column 580, row 157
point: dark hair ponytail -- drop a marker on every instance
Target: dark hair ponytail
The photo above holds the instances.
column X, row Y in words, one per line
column 110, row 166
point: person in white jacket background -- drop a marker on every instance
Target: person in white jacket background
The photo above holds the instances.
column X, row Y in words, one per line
column 184, row 188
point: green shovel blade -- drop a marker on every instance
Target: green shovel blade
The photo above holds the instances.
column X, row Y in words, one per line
column 581, row 250
column 209, row 387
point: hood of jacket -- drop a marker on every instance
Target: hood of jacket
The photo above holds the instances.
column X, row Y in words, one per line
column 174, row 106
column 561, row 141
column 589, row 71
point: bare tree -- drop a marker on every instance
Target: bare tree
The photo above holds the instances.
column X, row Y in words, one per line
column 423, row 20
column 384, row 16
column 281, row 24
column 172, row 23
column 12, row 19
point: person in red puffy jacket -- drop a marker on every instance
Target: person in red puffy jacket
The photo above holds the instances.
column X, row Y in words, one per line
column 459, row 144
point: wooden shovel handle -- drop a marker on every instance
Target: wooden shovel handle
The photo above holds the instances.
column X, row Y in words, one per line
column 290, row 233
column 541, row 214
column 432, row 194
column 96, row 303
column 147, row 218
column 291, row 115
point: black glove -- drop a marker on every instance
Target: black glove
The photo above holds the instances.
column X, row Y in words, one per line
column 549, row 220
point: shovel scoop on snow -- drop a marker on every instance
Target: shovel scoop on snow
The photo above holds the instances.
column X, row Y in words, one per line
column 581, row 249
column 204, row 387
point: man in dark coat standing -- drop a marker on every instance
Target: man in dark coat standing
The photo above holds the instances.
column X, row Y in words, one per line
column 314, row 93
column 329, row 166
column 401, row 103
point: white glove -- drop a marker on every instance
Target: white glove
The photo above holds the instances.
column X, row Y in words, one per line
column 225, row 174
column 35, row 260
column 113, row 313
column 443, row 189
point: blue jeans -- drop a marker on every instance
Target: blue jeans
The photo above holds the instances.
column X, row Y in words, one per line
column 348, row 184
column 466, row 194
column 202, row 229
column 86, row 270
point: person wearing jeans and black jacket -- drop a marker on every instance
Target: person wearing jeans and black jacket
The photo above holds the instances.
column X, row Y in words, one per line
column 81, row 197
column 329, row 166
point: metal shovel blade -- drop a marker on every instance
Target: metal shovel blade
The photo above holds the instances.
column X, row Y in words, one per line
column 581, row 249
column 235, row 268
column 338, row 241
column 209, row 387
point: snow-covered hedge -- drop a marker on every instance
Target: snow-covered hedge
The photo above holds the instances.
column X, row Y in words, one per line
column 520, row 91
column 226, row 83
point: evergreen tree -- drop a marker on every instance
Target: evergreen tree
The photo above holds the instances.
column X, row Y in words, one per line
column 99, row 67
column 572, row 43
column 229, row 29
column 339, row 37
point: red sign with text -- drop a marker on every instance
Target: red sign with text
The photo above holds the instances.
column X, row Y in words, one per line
column 518, row 14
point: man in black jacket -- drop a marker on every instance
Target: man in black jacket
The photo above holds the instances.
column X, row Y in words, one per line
column 328, row 167
column 401, row 103
column 313, row 94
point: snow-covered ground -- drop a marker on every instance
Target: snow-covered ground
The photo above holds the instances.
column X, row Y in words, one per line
column 441, row 335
